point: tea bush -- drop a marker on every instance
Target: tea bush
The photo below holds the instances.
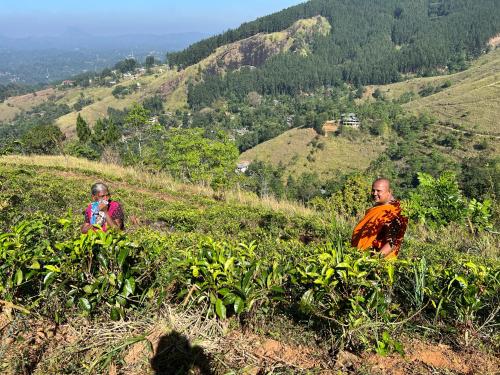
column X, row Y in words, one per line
column 364, row 297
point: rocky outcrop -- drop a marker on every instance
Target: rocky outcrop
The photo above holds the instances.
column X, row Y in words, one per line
column 257, row 49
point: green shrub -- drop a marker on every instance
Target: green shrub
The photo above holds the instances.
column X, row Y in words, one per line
column 96, row 271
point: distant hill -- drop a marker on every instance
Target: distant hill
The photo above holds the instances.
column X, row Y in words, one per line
column 303, row 150
column 370, row 43
column 469, row 100
column 46, row 59
column 173, row 85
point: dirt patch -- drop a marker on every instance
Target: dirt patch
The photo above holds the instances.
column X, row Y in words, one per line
column 263, row 354
column 495, row 41
column 24, row 342
column 367, row 94
column 429, row 358
column 172, row 84
column 143, row 351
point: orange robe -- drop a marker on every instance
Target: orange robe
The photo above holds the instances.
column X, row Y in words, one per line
column 382, row 224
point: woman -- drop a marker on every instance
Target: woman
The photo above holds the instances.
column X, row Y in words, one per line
column 102, row 213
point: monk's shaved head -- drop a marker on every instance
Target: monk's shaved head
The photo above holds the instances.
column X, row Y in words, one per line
column 381, row 191
column 384, row 181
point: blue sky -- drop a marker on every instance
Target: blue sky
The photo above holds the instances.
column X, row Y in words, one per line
column 117, row 17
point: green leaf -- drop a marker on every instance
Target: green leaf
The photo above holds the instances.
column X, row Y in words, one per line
column 229, row 264
column 35, row 265
column 88, row 289
column 307, row 301
column 329, row 273
column 103, row 261
column 461, row 281
column 112, row 279
column 115, row 313
column 122, row 256
column 398, row 347
column 196, row 271
column 151, row 293
column 324, row 256
column 18, row 277
column 247, row 277
column 239, row 305
column 343, row 265
column 64, row 222
column 49, row 277
column 381, row 348
column 385, row 336
column 129, row 286
column 212, row 298
column 224, row 291
column 122, row 301
column 220, row 309
column 52, row 268
column 70, row 302
column 84, row 304
column 390, row 273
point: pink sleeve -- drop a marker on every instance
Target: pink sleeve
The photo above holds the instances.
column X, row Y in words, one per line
column 87, row 214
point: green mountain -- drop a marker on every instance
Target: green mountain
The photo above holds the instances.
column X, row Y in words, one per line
column 468, row 100
column 465, row 105
column 370, row 42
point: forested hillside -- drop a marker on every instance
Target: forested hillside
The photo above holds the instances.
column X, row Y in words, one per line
column 370, row 42
column 468, row 100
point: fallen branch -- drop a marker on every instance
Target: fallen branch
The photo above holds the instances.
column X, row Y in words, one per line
column 15, row 307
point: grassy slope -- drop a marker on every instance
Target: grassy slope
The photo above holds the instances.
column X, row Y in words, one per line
column 144, row 195
column 14, row 105
column 338, row 154
column 103, row 99
column 472, row 101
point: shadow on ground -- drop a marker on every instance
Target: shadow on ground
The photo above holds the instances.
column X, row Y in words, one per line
column 174, row 355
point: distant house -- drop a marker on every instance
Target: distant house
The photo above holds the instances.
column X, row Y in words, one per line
column 241, row 131
column 154, row 120
column 349, row 119
column 242, row 166
column 68, row 83
column 330, row 126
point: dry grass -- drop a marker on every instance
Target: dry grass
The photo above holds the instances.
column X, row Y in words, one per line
column 16, row 104
column 293, row 149
column 103, row 99
column 130, row 345
column 472, row 101
column 157, row 182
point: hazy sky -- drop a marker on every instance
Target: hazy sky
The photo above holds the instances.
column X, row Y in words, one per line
column 116, row 17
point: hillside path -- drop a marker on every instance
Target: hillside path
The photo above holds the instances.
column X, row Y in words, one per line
column 466, row 131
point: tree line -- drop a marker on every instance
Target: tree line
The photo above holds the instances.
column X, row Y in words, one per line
column 370, row 43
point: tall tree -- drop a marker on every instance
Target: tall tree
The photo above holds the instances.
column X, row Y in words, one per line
column 150, row 62
column 188, row 155
column 136, row 120
column 82, row 129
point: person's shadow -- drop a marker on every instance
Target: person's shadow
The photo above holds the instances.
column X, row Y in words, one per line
column 175, row 356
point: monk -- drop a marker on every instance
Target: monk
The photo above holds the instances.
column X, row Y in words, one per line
column 383, row 227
